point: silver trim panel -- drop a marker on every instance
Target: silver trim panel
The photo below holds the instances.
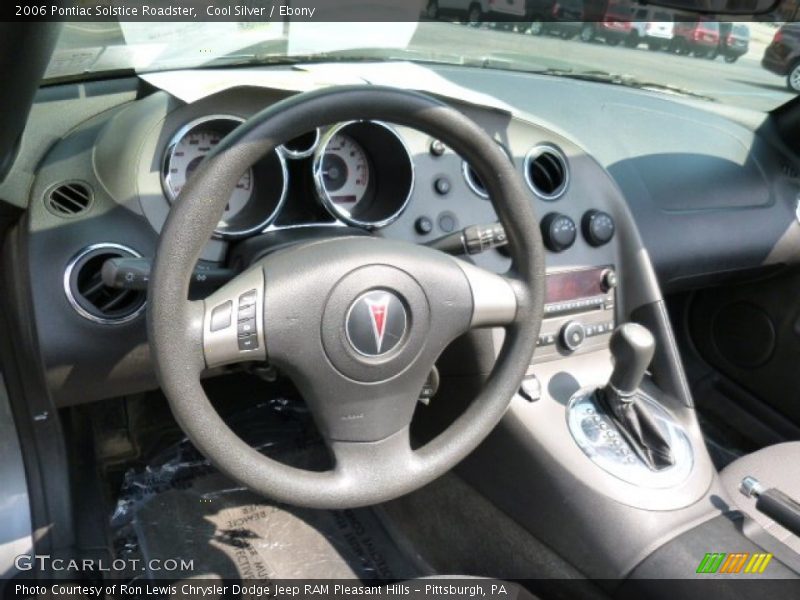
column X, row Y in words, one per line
column 222, row 347
column 599, row 439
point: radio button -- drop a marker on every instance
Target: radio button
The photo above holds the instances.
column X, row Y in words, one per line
column 572, row 335
column 608, row 280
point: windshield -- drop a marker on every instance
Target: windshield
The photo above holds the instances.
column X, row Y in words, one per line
column 668, row 55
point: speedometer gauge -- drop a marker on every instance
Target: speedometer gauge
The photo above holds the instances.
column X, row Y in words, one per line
column 188, row 153
column 345, row 172
column 363, row 173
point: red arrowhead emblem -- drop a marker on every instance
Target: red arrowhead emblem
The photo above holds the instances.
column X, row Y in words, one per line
column 377, row 310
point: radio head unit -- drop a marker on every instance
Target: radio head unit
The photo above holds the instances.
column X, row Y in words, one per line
column 578, row 311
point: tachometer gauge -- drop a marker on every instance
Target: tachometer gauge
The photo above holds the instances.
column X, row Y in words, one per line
column 246, row 212
column 345, row 172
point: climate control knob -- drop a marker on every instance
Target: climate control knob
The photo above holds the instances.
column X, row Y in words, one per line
column 558, row 232
column 572, row 335
column 598, row 227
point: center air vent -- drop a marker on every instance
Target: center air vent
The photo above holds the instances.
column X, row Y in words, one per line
column 473, row 181
column 90, row 297
column 546, row 172
column 69, row 199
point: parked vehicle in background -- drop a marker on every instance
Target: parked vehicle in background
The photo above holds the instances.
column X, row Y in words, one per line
column 609, row 21
column 734, row 41
column 556, row 17
column 653, row 27
column 700, row 38
column 476, row 11
column 782, row 56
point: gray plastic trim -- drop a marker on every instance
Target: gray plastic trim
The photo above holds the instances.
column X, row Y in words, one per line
column 71, row 297
column 16, row 535
column 325, row 198
column 535, row 153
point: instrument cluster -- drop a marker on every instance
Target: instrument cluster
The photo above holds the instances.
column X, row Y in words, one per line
column 361, row 173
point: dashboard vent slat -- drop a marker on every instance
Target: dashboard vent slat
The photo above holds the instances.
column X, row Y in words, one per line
column 547, row 172
column 69, row 199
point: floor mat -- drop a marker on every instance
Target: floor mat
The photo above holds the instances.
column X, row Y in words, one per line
column 180, row 507
column 232, row 533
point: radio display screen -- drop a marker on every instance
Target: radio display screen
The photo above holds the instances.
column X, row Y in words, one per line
column 572, row 285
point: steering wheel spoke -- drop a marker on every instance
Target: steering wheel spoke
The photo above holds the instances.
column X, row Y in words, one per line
column 233, row 321
column 383, row 460
column 495, row 301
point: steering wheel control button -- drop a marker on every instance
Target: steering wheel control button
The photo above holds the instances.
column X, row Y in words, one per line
column 247, row 312
column 598, row 227
column 247, row 298
column 247, row 331
column 572, row 335
column 221, row 316
column 423, row 225
column 246, row 327
column 376, row 323
column 558, row 232
column 249, row 342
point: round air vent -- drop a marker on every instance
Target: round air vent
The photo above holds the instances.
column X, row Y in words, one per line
column 473, row 181
column 546, row 172
column 90, row 297
column 69, row 199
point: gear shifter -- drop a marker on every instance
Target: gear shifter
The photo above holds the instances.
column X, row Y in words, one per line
column 632, row 347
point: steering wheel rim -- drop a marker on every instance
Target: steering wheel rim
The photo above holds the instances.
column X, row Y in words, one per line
column 367, row 470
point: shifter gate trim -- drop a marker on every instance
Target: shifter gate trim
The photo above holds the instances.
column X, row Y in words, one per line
column 596, row 434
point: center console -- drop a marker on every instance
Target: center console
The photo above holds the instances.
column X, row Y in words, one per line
column 604, row 465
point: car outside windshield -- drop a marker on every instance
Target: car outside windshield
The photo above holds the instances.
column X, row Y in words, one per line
column 696, row 59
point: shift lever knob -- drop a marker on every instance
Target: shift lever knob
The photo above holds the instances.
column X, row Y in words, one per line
column 632, row 347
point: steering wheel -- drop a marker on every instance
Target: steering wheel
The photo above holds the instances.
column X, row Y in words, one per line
column 356, row 322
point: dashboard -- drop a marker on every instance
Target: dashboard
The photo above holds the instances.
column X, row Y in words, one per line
column 106, row 187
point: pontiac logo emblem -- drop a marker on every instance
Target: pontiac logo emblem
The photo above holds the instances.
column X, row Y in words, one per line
column 376, row 323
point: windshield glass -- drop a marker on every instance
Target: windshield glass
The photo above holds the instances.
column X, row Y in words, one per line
column 670, row 54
